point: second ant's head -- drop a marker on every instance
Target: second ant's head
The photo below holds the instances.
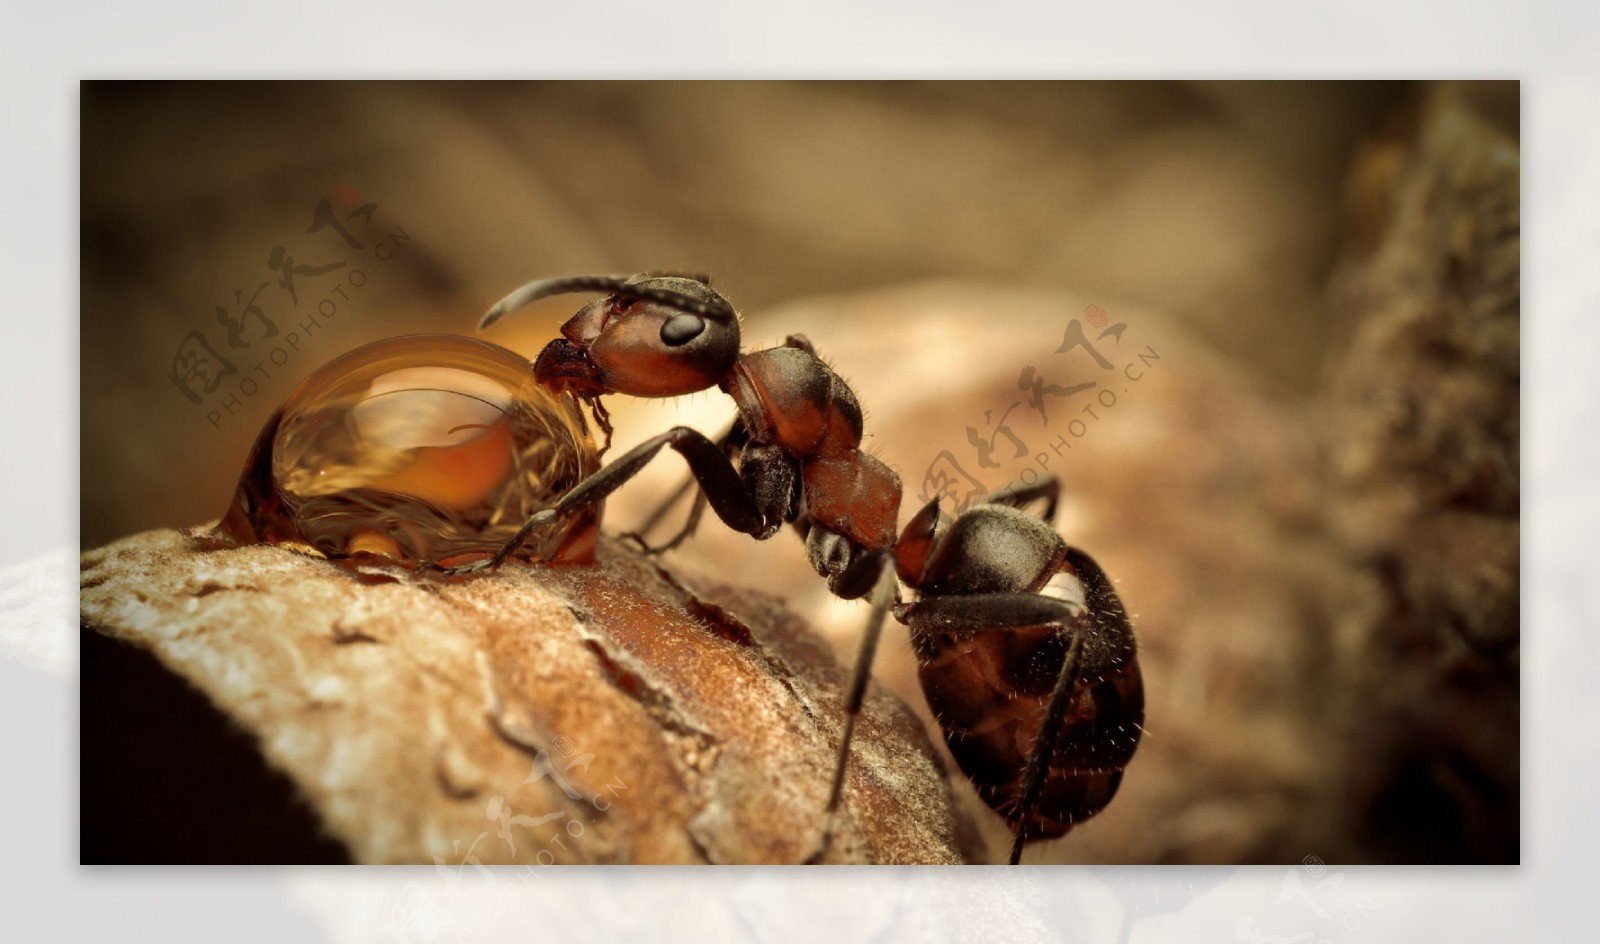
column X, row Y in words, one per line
column 651, row 336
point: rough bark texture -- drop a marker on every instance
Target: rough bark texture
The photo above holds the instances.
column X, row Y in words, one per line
column 608, row 714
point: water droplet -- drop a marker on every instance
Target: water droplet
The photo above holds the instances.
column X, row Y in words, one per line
column 418, row 448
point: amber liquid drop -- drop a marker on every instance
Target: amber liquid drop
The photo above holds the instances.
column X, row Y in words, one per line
column 418, row 448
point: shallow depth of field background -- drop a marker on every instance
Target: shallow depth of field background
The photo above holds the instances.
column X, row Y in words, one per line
column 920, row 233
column 1213, row 203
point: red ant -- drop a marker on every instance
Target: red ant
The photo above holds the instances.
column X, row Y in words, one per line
column 1040, row 697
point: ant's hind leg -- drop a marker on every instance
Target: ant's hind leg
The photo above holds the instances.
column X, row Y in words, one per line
column 872, row 573
column 1044, row 747
column 1003, row 611
column 1019, row 495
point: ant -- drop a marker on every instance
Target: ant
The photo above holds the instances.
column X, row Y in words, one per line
column 1040, row 697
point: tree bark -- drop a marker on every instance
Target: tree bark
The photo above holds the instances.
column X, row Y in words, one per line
column 619, row 713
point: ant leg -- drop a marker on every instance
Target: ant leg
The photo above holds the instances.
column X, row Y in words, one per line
column 1101, row 613
column 1003, row 612
column 1018, row 495
column 726, row 491
column 1044, row 747
column 731, row 441
column 660, row 512
column 769, row 474
column 1111, row 620
column 730, row 497
column 696, row 510
column 873, row 573
column 602, row 417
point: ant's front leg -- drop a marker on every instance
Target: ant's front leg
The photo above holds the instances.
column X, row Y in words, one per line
column 738, row 505
column 732, row 442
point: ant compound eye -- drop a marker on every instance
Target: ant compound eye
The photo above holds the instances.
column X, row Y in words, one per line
column 682, row 328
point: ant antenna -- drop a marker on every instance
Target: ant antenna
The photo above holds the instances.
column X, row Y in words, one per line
column 716, row 307
column 544, row 288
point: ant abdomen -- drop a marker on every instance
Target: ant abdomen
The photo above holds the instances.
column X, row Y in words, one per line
column 991, row 691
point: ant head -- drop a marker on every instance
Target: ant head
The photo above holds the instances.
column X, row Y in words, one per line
column 652, row 335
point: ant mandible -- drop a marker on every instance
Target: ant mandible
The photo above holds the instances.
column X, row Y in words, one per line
column 1040, row 697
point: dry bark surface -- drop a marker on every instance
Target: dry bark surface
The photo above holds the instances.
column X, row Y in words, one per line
column 609, row 714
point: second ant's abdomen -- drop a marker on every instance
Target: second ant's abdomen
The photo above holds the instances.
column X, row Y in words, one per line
column 990, row 691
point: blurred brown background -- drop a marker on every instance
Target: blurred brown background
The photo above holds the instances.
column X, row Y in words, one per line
column 1211, row 202
column 932, row 238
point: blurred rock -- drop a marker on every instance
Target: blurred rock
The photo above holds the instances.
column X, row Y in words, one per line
column 1424, row 439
